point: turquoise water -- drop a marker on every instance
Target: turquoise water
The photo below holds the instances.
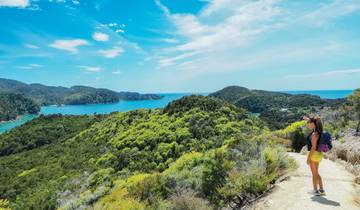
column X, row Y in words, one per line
column 4, row 126
column 131, row 105
column 121, row 106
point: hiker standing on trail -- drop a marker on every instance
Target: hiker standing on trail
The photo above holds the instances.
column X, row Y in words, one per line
column 315, row 156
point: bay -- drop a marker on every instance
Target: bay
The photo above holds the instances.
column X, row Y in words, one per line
column 121, row 106
column 5, row 126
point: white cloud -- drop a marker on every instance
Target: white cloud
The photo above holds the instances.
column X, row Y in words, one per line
column 34, row 65
column 294, row 53
column 239, row 23
column 111, row 53
column 221, row 37
column 116, row 72
column 70, row 45
column 90, row 68
column 24, row 67
column 325, row 74
column 58, row 1
column 172, row 60
column 14, row 3
column 31, row 46
column 118, row 28
column 101, row 37
column 30, row 66
column 222, row 26
column 112, row 24
column 328, row 12
column 170, row 40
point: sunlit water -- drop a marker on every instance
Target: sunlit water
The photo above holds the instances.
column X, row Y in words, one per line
column 4, row 126
column 121, row 106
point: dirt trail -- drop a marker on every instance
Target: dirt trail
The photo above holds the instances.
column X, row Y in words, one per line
column 293, row 193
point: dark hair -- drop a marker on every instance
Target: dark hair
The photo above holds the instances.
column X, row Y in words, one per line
column 318, row 124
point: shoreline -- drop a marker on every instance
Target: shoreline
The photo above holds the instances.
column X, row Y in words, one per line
column 18, row 117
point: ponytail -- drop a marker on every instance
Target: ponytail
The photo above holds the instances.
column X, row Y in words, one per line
column 317, row 122
column 318, row 125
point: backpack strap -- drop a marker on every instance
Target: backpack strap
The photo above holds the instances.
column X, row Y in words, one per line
column 317, row 142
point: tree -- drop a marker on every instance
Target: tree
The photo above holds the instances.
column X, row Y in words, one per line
column 354, row 98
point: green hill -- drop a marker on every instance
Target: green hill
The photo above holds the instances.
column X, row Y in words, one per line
column 44, row 130
column 13, row 105
column 198, row 151
column 276, row 108
column 50, row 95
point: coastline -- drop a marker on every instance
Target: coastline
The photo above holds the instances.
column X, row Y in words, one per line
column 21, row 119
column 18, row 117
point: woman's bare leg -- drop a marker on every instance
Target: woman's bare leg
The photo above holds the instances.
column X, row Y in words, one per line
column 314, row 174
column 319, row 179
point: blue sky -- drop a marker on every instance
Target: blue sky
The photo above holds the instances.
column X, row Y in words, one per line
column 182, row 46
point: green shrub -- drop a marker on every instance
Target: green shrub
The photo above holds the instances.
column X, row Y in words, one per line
column 150, row 188
column 119, row 199
column 100, row 176
column 187, row 200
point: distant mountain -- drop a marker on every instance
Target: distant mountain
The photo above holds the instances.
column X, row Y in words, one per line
column 277, row 108
column 13, row 105
column 261, row 100
column 133, row 96
column 49, row 95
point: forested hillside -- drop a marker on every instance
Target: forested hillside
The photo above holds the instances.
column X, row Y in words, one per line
column 13, row 105
column 44, row 130
column 50, row 95
column 276, row 108
column 198, row 152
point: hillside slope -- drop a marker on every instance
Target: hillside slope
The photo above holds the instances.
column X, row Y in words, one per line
column 292, row 194
column 276, row 108
column 197, row 150
column 13, row 105
column 260, row 100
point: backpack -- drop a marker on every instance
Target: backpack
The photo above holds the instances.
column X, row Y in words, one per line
column 324, row 143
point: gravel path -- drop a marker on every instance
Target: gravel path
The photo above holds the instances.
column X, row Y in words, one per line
column 293, row 193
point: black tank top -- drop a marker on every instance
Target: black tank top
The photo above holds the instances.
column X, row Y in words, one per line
column 308, row 140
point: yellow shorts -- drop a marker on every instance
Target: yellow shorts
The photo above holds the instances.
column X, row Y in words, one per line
column 316, row 156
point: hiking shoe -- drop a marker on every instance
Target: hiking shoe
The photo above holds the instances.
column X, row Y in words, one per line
column 322, row 192
column 315, row 192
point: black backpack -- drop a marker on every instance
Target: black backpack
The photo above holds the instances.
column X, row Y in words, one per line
column 324, row 143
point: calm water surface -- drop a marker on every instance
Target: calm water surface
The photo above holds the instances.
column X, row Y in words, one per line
column 121, row 106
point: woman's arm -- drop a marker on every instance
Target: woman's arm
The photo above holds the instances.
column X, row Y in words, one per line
column 314, row 138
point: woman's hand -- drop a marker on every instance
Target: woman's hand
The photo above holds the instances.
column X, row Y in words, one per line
column 308, row 161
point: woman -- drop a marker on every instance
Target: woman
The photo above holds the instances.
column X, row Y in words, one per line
column 314, row 157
